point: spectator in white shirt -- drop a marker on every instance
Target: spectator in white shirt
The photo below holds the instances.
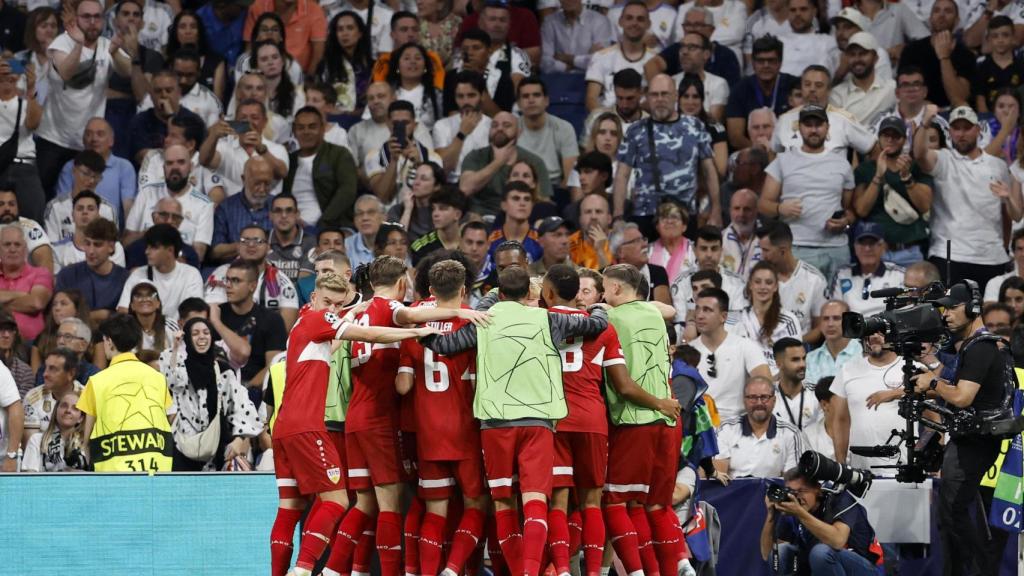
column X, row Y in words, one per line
column 367, row 136
column 694, row 53
column 843, row 130
column 252, row 86
column 85, row 175
column 457, row 135
column 811, row 189
column 772, row 19
column 967, row 177
column 764, row 320
column 27, row 113
column 228, row 156
column 805, row 46
column 661, row 18
column 756, row 443
column 729, row 18
column 707, row 255
column 819, row 433
column 188, row 131
column 570, row 36
column 794, row 401
column 630, row 52
column 727, row 360
column 197, row 208
column 175, row 281
column 992, row 288
column 845, row 24
column 392, row 168
column 71, row 250
column 865, row 409
column 12, row 421
column 864, row 93
column 801, row 286
column 40, row 252
column 194, row 95
column 829, row 358
column 893, row 24
column 855, row 282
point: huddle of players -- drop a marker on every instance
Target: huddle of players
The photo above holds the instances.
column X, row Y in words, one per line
column 516, row 396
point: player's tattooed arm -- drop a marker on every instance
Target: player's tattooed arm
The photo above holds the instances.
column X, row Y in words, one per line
column 565, row 326
column 464, row 338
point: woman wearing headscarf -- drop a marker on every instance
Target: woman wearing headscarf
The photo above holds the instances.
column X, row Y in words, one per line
column 198, row 378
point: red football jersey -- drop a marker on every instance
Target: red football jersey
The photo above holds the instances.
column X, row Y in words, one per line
column 406, row 411
column 583, row 364
column 307, row 368
column 444, row 397
column 374, row 401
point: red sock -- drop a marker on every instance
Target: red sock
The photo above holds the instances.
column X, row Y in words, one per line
column 319, row 533
column 430, row 544
column 364, row 551
column 665, row 525
column 638, row 516
column 575, row 532
column 345, row 540
column 411, row 533
column 389, row 542
column 510, row 539
column 282, row 540
column 476, row 561
column 467, row 535
column 684, row 550
column 455, row 510
column 498, row 565
column 623, row 536
column 558, row 539
column 593, row 540
column 535, row 535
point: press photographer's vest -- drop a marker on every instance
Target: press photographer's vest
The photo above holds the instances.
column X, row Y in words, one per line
column 643, row 336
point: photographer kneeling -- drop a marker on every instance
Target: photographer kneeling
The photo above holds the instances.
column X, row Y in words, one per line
column 816, row 532
column 983, row 381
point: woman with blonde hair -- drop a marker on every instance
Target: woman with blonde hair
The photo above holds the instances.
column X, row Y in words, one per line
column 61, row 447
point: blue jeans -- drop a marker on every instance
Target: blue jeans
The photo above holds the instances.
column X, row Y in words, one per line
column 904, row 257
column 826, row 561
column 827, row 259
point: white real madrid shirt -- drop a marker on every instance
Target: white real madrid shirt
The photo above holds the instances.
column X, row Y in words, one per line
column 58, row 221
column 767, row 456
column 801, row 411
column 843, row 132
column 605, row 63
column 202, row 178
column 35, row 236
column 803, row 294
column 196, row 208
column 854, row 288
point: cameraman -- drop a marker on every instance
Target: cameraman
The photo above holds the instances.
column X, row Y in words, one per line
column 978, row 382
column 818, row 533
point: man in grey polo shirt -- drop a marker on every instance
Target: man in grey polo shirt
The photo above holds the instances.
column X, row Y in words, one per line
column 971, row 189
column 811, row 188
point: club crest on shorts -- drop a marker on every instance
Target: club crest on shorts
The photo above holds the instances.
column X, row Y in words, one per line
column 334, row 474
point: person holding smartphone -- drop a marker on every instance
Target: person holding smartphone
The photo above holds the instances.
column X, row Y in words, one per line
column 392, row 169
column 20, row 108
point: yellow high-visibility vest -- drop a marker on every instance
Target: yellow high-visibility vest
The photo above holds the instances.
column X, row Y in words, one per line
column 989, row 479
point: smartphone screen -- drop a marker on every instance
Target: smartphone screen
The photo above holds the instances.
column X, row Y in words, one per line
column 240, row 126
column 17, row 66
column 398, row 131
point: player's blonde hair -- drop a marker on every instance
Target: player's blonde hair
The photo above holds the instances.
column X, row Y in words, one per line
column 333, row 282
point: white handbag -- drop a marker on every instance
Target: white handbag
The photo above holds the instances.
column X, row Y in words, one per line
column 203, row 446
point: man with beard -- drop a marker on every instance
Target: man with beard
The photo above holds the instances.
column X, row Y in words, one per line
column 767, row 87
column 148, row 128
column 806, row 46
column 630, row 53
column 196, row 226
column 982, row 380
column 826, row 360
column 756, row 443
column 456, row 135
column 474, row 51
column 118, row 184
column 864, row 93
column 895, row 172
column 589, row 246
column 546, row 135
column 946, row 63
column 967, row 176
column 321, row 175
column 195, row 97
column 794, row 401
column 844, row 130
column 740, row 249
column 810, row 189
column 865, row 411
column 801, row 286
column 485, row 170
column 40, row 253
column 670, row 169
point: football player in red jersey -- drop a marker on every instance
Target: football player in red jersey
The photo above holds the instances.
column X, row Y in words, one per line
column 450, row 455
column 581, row 438
column 305, row 461
column 371, row 425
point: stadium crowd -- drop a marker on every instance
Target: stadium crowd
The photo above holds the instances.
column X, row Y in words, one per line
column 198, row 167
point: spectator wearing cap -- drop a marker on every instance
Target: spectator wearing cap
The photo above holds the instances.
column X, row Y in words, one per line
column 894, row 192
column 844, row 131
column 945, row 62
column 174, row 280
column 811, row 188
column 724, row 60
column 972, row 191
column 118, row 184
column 670, row 170
column 855, row 282
column 305, row 28
column 547, row 136
column 96, row 276
column 24, row 289
column 517, row 204
column 845, row 24
column 570, row 36
column 86, row 175
column 457, row 135
column 864, row 93
column 806, row 46
column 510, row 27
column 694, row 51
column 630, row 53
column 893, row 24
column 553, row 236
column 767, row 87
column 321, row 176
column 1000, row 68
column 589, row 247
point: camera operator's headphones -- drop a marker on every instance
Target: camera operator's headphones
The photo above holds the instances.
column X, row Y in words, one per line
column 973, row 308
